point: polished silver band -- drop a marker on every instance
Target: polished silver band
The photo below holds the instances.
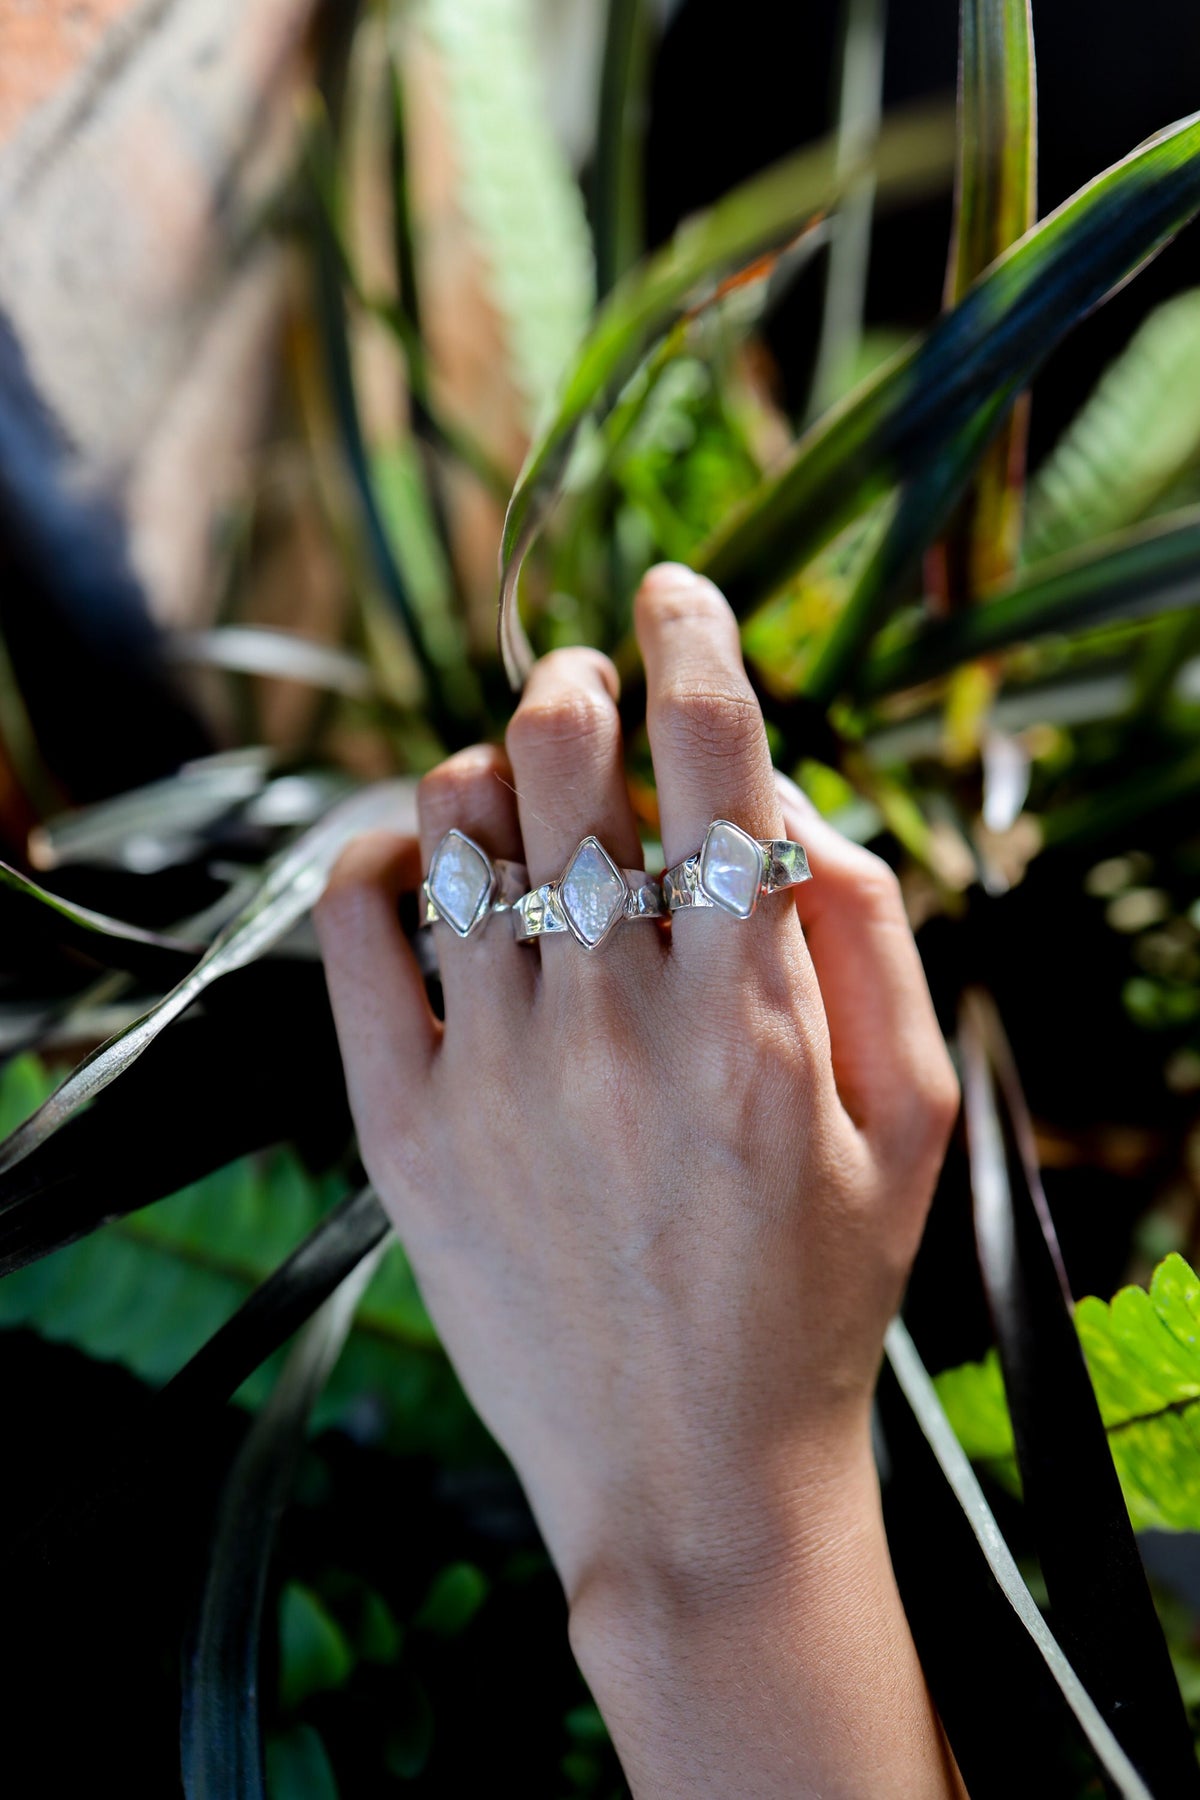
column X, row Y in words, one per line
column 464, row 887
column 732, row 871
column 588, row 899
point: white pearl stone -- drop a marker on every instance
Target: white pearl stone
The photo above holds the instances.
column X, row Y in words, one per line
column 592, row 892
column 459, row 878
column 731, row 868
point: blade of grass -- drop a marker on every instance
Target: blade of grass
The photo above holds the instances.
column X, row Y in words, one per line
column 274, row 1310
column 618, row 225
column 995, row 204
column 259, row 650
column 1080, row 1526
column 1148, row 570
column 921, row 1395
column 292, row 884
column 976, row 357
column 221, row 1738
column 860, row 110
column 211, row 1088
column 335, row 339
column 127, row 830
column 29, row 915
column 764, row 215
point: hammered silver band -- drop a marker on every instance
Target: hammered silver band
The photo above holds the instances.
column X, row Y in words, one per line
column 732, row 871
column 591, row 896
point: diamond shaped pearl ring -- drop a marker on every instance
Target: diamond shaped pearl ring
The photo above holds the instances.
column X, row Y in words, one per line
column 732, row 871
column 590, row 897
column 464, row 887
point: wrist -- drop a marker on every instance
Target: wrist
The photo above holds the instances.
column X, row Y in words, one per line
column 692, row 1563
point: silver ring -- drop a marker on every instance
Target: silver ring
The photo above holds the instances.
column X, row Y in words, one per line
column 590, row 896
column 464, row 887
column 732, row 871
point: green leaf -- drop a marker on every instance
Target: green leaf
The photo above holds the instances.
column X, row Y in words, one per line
column 29, row 913
column 617, row 172
column 997, row 159
column 221, row 1746
column 143, row 829
column 455, row 1597
column 1136, row 436
column 1103, row 1611
column 1149, row 570
column 995, row 204
column 314, row 1657
column 763, row 215
column 944, row 396
column 263, row 650
column 860, row 110
column 291, row 885
column 520, row 199
column 298, row 1767
column 922, row 1396
column 1143, row 1353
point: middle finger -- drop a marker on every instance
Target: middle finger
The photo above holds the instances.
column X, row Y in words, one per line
column 564, row 742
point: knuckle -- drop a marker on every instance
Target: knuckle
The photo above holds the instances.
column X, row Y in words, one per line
column 710, row 720
column 441, row 792
column 941, row 1097
column 367, row 864
column 560, row 722
column 877, row 886
column 932, row 1107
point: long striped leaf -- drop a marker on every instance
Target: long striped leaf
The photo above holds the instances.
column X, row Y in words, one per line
column 922, row 1396
column 221, row 1741
column 913, row 156
column 980, row 354
column 1102, row 1606
column 1153, row 569
column 291, row 886
column 30, row 913
column 995, row 204
column 863, row 28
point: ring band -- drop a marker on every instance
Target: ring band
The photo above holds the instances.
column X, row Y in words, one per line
column 732, row 871
column 464, row 887
column 590, row 896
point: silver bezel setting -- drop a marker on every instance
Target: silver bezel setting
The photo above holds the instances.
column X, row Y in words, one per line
column 763, row 865
column 618, row 914
column 489, row 893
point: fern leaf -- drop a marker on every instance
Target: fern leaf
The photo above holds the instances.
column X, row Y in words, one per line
column 1138, row 435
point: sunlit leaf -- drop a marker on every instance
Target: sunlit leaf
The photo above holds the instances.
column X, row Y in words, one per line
column 1143, row 1355
column 1151, row 569
column 256, row 650
column 142, row 829
column 860, row 111
column 942, row 399
column 1134, row 438
column 913, row 156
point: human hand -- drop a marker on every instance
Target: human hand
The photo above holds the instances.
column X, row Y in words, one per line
column 661, row 1200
